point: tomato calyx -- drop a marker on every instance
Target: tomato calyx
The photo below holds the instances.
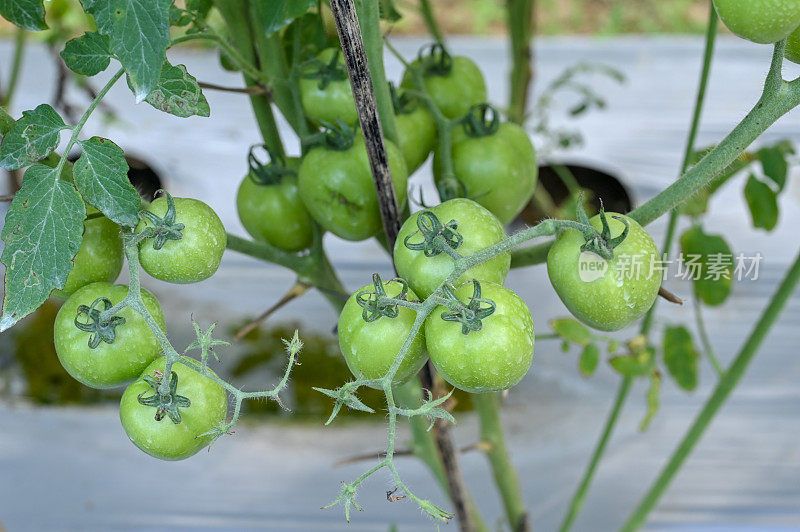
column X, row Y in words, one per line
column 267, row 172
column 435, row 60
column 166, row 404
column 601, row 242
column 481, row 120
column 324, row 72
column 339, row 137
column 430, row 228
column 165, row 228
column 403, row 102
column 377, row 304
column 102, row 330
column 471, row 314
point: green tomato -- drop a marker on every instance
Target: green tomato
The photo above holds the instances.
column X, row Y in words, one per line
column 196, row 255
column 108, row 365
column 338, row 190
column 760, row 21
column 480, row 229
column 606, row 295
column 329, row 100
column 166, row 439
column 492, row 359
column 416, row 136
column 369, row 348
column 274, row 213
column 498, row 171
column 792, row 52
column 99, row 258
column 455, row 91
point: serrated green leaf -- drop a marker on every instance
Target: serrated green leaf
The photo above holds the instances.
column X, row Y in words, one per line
column 179, row 17
column 178, row 93
column 88, row 54
column 572, row 330
column 27, row 14
column 139, row 35
column 774, row 164
column 634, row 365
column 681, row 357
column 31, row 138
column 201, row 7
column 43, row 232
column 590, row 358
column 101, row 174
column 653, row 393
column 763, row 203
column 275, row 14
column 713, row 274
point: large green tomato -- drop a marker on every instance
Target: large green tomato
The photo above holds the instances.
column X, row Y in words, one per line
column 606, row 295
column 327, row 99
column 416, row 136
column 369, row 348
column 760, row 21
column 480, row 229
column 164, row 438
column 99, row 258
column 793, row 46
column 107, row 365
column 338, row 190
column 454, row 89
column 196, row 255
column 492, row 359
column 274, row 213
column 498, row 170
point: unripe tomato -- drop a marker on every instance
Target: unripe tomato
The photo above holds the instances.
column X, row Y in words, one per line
column 370, row 348
column 196, row 255
column 792, row 52
column 416, row 136
column 480, row 229
column 327, row 99
column 337, row 188
column 164, row 438
column 107, row 365
column 760, row 21
column 99, row 258
column 274, row 213
column 498, row 170
column 606, row 295
column 491, row 359
column 455, row 84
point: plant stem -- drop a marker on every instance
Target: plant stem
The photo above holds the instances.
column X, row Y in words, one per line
column 721, row 392
column 520, row 26
column 580, row 494
column 704, row 339
column 369, row 16
column 426, row 11
column 16, row 64
column 624, row 386
column 505, row 477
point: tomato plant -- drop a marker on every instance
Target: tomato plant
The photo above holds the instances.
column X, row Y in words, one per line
column 105, row 355
column 370, row 337
column 99, row 257
column 270, row 208
column 188, row 243
column 487, row 344
column 479, row 229
column 606, row 292
column 178, row 425
column 760, row 21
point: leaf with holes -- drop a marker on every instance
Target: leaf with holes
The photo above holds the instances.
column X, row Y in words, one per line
column 178, row 93
column 763, row 203
column 27, row 14
column 572, row 330
column 681, row 357
column 31, row 138
column 43, row 232
column 276, row 14
column 88, row 54
column 590, row 358
column 101, row 174
column 138, row 32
